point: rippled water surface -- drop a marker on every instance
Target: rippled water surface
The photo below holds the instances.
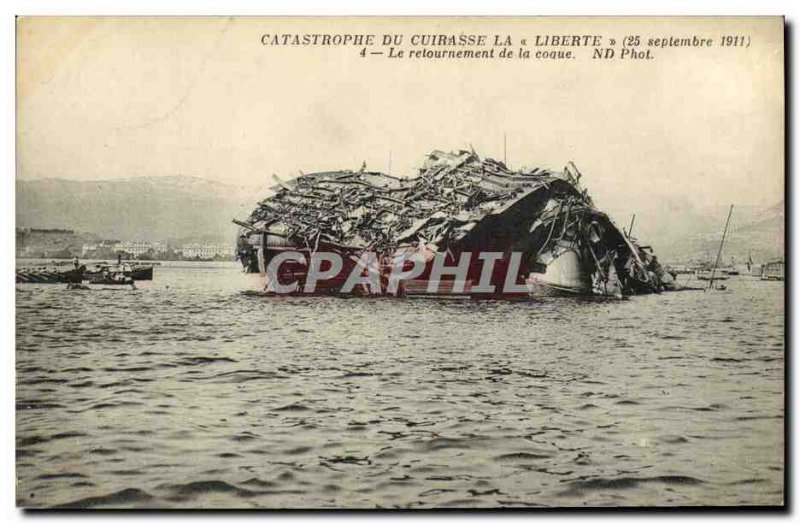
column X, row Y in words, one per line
column 188, row 393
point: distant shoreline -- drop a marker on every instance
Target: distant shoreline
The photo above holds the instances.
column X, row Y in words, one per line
column 63, row 260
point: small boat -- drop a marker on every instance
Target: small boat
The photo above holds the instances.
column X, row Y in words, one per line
column 134, row 271
column 111, row 279
column 681, row 270
column 710, row 274
column 44, row 275
column 774, row 270
column 716, row 272
column 141, row 272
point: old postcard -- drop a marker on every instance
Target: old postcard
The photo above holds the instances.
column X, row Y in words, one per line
column 400, row 263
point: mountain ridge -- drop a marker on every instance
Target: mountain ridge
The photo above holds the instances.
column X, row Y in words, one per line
column 152, row 207
column 143, row 208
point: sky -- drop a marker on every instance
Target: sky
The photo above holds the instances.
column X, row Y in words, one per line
column 123, row 97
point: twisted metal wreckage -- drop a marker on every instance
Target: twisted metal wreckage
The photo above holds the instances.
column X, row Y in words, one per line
column 522, row 233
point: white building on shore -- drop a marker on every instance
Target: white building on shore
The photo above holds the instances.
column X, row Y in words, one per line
column 134, row 247
column 208, row 250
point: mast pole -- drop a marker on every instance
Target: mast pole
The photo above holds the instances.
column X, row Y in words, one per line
column 721, row 243
column 630, row 228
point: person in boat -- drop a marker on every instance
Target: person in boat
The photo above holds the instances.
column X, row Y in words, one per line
column 653, row 268
column 649, row 270
column 76, row 262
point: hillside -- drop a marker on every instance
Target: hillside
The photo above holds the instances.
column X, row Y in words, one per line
column 181, row 207
column 754, row 231
column 143, row 208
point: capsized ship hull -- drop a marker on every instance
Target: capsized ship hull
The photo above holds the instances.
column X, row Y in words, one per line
column 545, row 233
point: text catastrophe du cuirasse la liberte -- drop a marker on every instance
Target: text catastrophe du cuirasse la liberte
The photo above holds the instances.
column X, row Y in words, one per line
column 466, row 46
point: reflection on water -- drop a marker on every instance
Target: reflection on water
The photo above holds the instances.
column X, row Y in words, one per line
column 189, row 393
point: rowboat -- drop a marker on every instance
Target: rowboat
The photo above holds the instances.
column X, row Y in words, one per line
column 111, row 279
column 134, row 271
column 44, row 275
